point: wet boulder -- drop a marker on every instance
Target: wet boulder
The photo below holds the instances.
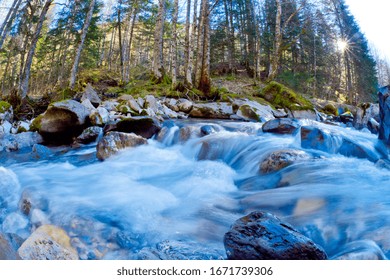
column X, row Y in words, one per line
column 384, row 113
column 278, row 160
column 221, row 110
column 145, row 127
column 349, row 148
column 48, row 242
column 91, row 95
column 7, row 247
column 89, row 135
column 115, row 141
column 262, row 236
column 15, row 142
column 62, row 122
column 316, row 138
column 281, row 126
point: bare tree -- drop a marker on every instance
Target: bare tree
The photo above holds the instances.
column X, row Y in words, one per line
column 273, row 69
column 27, row 69
column 80, row 47
column 158, row 65
column 8, row 20
column 174, row 45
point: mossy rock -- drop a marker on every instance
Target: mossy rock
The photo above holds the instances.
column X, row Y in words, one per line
column 330, row 109
column 4, row 106
column 284, row 97
column 36, row 124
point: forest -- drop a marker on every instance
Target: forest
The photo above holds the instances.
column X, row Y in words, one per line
column 313, row 46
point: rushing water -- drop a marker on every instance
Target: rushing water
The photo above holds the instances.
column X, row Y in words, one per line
column 176, row 197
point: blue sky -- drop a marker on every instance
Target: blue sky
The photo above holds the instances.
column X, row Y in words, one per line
column 373, row 18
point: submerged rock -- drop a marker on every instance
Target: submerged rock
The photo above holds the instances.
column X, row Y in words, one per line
column 281, row 159
column 315, row 138
column 262, row 236
column 281, row 126
column 115, row 141
column 7, row 250
column 62, row 121
column 15, row 142
column 384, row 104
column 48, row 243
column 145, row 127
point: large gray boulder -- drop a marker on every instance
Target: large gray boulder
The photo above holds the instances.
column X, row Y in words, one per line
column 214, row 110
column 62, row 121
column 48, row 242
column 384, row 105
column 115, row 141
column 262, row 236
column 91, row 95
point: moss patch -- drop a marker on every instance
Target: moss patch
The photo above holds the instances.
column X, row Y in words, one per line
column 330, row 109
column 4, row 107
column 284, row 97
column 36, row 124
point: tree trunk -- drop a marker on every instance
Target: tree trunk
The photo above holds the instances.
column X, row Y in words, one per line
column 8, row 20
column 27, row 69
column 204, row 83
column 120, row 41
column 187, row 49
column 174, row 49
column 273, row 69
column 158, row 65
column 80, row 47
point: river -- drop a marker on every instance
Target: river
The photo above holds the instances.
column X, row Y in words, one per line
column 175, row 198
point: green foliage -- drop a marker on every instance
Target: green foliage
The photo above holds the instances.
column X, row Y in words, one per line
column 284, row 97
column 36, row 124
column 4, row 106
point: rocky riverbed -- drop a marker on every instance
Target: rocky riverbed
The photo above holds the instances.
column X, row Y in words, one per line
column 153, row 178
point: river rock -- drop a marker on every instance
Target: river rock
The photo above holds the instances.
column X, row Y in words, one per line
column 5, row 127
column 315, row 138
column 214, row 110
column 304, row 114
column 384, row 113
column 115, row 141
column 351, row 149
column 91, row 95
column 15, row 142
column 282, row 126
column 6, row 112
column 208, row 129
column 89, row 135
column 184, row 105
column 253, row 111
column 145, row 127
column 278, row 160
column 99, row 117
column 187, row 132
column 262, row 236
column 87, row 104
column 48, row 242
column 62, row 121
column 7, row 250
